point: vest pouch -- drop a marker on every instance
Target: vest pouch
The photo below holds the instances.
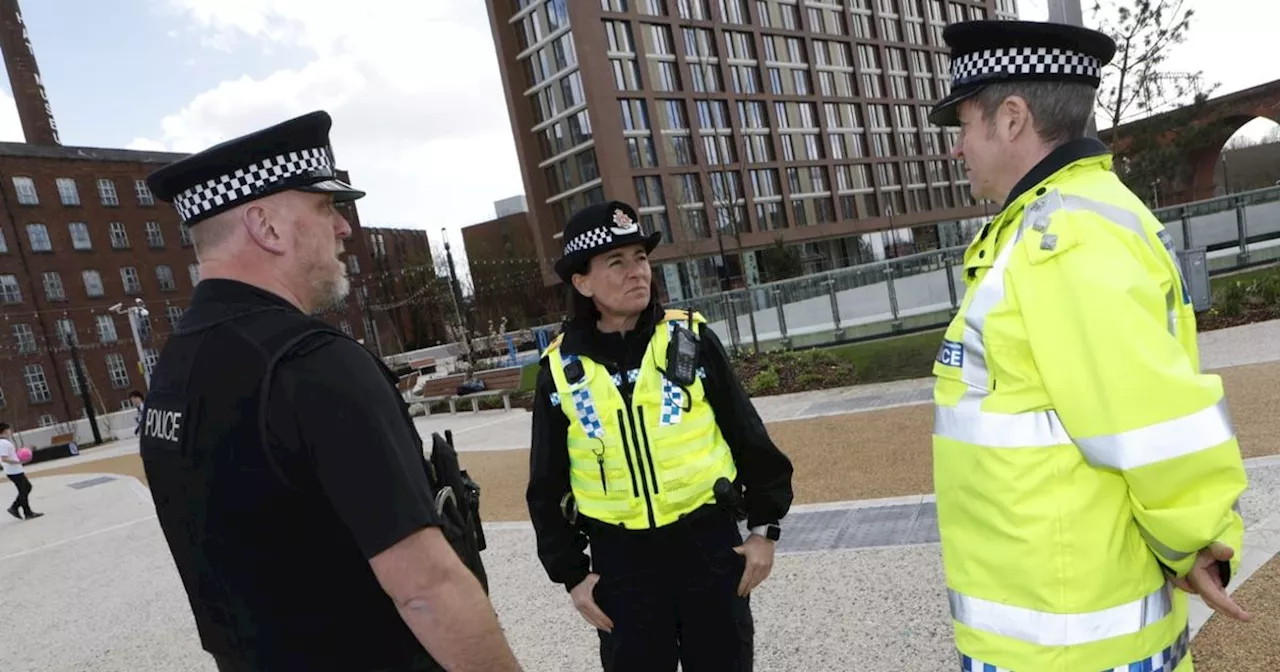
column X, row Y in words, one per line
column 458, row 503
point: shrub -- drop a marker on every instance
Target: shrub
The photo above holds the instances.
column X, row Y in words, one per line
column 765, row 382
column 1231, row 300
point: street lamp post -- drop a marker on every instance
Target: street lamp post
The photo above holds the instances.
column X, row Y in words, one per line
column 135, row 313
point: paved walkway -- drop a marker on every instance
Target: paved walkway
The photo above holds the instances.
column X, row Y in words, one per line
column 857, row 585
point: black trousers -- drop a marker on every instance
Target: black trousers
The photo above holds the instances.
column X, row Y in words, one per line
column 672, row 596
column 24, row 490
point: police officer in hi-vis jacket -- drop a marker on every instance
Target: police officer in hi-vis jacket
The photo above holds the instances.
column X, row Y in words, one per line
column 638, row 417
column 1086, row 471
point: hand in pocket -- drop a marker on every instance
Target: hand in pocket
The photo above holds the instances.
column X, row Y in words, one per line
column 584, row 599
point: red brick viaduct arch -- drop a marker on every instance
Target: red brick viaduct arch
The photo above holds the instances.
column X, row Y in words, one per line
column 1196, row 133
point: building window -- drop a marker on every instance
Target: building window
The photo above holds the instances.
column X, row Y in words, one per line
column 155, row 239
column 150, row 357
column 353, row 264
column 194, row 271
column 74, row 377
column 37, row 385
column 107, row 191
column 144, row 193
column 2, row 401
column 38, row 234
column 144, row 326
column 117, row 371
column 164, row 274
column 67, row 191
column 80, row 236
column 92, row 283
column 185, row 232
column 66, row 330
column 26, row 188
column 132, row 285
column 4, row 244
column 345, row 326
column 10, row 290
column 107, row 329
column 25, row 338
column 119, row 237
column 174, row 313
column 53, row 289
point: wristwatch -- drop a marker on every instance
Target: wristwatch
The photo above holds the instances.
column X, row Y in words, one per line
column 771, row 532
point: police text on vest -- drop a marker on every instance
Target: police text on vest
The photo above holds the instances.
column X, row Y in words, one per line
column 162, row 424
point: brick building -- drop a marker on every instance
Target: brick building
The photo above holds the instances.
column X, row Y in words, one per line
column 408, row 300
column 735, row 124
column 505, row 274
column 79, row 233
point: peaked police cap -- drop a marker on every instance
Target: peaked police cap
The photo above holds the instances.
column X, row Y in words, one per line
column 293, row 154
column 598, row 228
column 991, row 52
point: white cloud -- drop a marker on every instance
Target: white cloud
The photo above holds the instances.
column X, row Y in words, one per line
column 10, row 124
column 419, row 114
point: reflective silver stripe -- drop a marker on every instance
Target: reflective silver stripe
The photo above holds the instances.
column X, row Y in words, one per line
column 965, row 423
column 1159, row 546
column 1050, row 629
column 1166, row 440
column 1125, row 219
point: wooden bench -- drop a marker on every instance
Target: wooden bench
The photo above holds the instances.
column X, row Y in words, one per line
column 62, row 439
column 454, row 399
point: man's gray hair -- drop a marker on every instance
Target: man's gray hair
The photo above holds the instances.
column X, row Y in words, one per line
column 1061, row 110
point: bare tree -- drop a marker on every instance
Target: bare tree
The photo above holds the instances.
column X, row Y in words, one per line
column 1135, row 83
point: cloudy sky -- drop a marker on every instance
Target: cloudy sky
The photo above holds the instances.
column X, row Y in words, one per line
column 413, row 85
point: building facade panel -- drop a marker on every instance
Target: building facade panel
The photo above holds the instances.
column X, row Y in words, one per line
column 740, row 124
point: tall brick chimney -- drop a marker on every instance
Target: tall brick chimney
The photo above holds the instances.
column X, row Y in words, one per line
column 24, row 78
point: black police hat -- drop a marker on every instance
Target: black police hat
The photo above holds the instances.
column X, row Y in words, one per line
column 990, row 52
column 294, row 154
column 598, row 228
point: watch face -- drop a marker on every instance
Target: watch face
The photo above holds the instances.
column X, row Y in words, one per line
column 774, row 532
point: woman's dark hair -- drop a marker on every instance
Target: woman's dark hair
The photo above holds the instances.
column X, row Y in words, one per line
column 4, row 426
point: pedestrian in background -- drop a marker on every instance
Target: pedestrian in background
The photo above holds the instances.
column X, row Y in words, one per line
column 13, row 469
column 639, row 421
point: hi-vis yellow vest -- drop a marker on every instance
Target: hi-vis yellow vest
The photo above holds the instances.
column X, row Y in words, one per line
column 1077, row 446
column 644, row 461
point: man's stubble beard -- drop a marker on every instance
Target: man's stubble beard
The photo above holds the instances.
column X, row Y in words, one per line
column 330, row 285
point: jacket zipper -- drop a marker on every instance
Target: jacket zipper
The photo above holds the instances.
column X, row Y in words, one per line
column 626, row 450
column 648, row 451
column 643, row 477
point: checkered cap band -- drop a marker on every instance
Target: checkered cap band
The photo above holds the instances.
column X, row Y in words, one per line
column 1023, row 61
column 588, row 240
column 252, row 180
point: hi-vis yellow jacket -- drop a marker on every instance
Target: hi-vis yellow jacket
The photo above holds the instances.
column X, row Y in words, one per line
column 644, row 460
column 1077, row 446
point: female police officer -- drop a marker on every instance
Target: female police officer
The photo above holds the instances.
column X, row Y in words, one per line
column 638, row 415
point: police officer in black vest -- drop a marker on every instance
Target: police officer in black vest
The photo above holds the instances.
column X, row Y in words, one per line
column 287, row 475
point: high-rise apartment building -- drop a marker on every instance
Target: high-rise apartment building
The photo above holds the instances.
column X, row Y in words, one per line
column 739, row 125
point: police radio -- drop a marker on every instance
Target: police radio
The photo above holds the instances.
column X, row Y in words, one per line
column 682, row 354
